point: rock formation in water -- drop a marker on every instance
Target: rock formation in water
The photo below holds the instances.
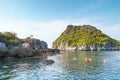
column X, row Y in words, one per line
column 34, row 43
column 12, row 46
column 26, row 45
column 84, row 37
column 3, row 49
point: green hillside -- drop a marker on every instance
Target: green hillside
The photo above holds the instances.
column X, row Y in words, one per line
column 83, row 35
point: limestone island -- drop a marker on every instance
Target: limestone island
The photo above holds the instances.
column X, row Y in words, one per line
column 85, row 38
column 13, row 47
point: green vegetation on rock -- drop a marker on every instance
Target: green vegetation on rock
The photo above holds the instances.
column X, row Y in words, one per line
column 83, row 35
column 9, row 38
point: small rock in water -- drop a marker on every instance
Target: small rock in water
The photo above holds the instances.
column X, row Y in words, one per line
column 48, row 62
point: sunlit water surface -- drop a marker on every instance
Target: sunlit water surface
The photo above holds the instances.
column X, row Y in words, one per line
column 105, row 65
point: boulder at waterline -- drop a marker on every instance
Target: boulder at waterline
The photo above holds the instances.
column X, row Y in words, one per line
column 48, row 62
column 26, row 45
column 3, row 49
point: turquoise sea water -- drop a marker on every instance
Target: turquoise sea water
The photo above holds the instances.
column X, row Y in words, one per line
column 105, row 65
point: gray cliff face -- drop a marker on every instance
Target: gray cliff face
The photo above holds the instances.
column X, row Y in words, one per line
column 2, row 45
column 34, row 43
column 90, row 47
column 3, row 49
column 26, row 45
column 26, row 48
column 44, row 45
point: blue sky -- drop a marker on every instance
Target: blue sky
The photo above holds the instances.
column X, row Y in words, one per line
column 46, row 19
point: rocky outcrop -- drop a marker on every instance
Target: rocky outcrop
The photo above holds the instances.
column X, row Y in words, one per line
column 24, row 52
column 26, row 45
column 48, row 62
column 29, row 47
column 87, row 47
column 2, row 45
column 84, row 38
column 43, row 45
column 35, row 43
column 3, row 49
column 50, row 52
column 21, row 53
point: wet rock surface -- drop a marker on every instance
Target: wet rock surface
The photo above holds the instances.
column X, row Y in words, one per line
column 48, row 62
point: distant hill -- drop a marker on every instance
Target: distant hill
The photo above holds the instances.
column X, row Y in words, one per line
column 84, row 37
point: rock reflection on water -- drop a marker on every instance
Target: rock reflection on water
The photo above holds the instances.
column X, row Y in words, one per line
column 93, row 65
